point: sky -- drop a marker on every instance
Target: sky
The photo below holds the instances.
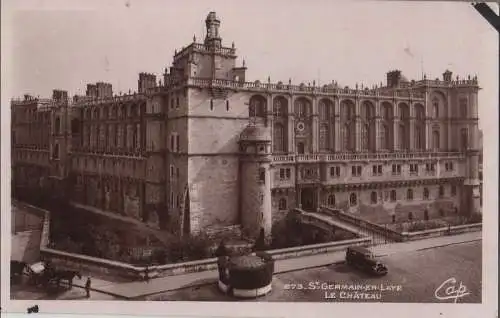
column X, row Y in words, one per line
column 67, row 44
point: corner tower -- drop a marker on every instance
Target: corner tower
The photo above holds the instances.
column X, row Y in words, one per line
column 255, row 178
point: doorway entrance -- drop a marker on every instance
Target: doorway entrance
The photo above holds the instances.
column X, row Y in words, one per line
column 300, row 148
column 307, row 199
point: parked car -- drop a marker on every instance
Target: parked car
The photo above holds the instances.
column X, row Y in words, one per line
column 362, row 258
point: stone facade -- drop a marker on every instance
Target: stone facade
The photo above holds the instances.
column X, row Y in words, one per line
column 172, row 154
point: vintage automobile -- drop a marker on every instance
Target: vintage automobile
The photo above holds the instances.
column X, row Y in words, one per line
column 362, row 258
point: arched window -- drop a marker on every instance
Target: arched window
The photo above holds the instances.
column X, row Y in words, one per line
column 364, row 137
column 353, row 199
column 441, row 191
column 331, row 200
column 373, row 197
column 278, row 138
column 282, row 204
column 227, row 105
column 383, row 137
column 257, row 106
column 409, row 194
column 252, row 110
column 418, row 137
column 387, row 115
column 435, row 140
column 57, row 125
column 402, row 136
column 323, row 110
column 463, row 138
column 463, row 107
column 346, row 137
column 435, row 108
column 323, row 137
column 393, row 195
column 426, row 194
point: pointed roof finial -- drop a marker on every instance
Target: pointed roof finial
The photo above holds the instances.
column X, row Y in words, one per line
column 356, row 85
column 269, row 79
column 289, row 81
column 175, row 52
column 243, row 62
column 232, row 45
column 314, row 83
column 194, row 38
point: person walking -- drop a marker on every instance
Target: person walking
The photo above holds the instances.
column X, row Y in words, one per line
column 146, row 274
column 87, row 287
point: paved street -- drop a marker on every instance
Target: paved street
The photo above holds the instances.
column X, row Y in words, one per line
column 418, row 274
column 26, row 292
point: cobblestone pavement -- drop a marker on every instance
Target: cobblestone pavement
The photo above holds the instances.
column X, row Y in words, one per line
column 413, row 277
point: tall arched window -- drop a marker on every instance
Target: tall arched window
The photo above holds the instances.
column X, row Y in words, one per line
column 278, row 138
column 323, row 111
column 402, row 137
column 257, row 106
column 418, row 137
column 353, row 199
column 463, row 107
column 383, row 137
column 463, row 138
column 364, row 137
column 323, row 137
column 373, row 197
column 435, row 108
column 435, row 140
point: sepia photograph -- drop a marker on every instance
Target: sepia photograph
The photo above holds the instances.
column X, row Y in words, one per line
column 274, row 152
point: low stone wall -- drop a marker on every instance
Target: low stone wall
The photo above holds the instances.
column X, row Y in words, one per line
column 403, row 236
column 108, row 267
column 452, row 230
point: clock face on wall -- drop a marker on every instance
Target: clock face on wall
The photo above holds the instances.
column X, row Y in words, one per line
column 300, row 126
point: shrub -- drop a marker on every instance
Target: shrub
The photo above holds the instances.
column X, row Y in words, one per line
column 475, row 218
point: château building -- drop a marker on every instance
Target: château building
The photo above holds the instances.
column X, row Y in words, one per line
column 203, row 149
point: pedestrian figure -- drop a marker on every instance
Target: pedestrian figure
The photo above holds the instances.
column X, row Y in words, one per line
column 146, row 273
column 87, row 287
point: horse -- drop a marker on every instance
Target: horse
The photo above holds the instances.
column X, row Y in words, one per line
column 67, row 275
column 17, row 268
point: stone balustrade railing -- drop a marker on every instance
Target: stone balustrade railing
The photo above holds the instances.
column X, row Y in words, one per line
column 280, row 87
column 439, row 83
column 364, row 156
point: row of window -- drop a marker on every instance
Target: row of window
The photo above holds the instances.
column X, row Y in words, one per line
column 112, row 112
column 303, row 108
column 386, row 141
column 227, row 106
column 121, row 136
column 107, row 164
column 375, row 197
